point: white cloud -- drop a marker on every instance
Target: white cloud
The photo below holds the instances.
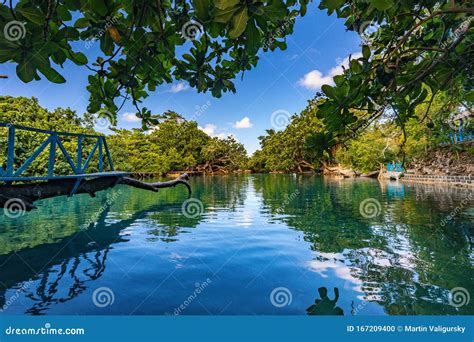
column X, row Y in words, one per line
column 178, row 87
column 244, row 123
column 211, row 130
column 315, row 78
column 130, row 117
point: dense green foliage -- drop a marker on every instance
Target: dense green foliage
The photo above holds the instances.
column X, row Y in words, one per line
column 28, row 112
column 174, row 144
column 417, row 50
column 297, row 147
column 413, row 50
column 285, row 150
column 143, row 44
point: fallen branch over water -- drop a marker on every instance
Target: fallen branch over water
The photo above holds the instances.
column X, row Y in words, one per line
column 23, row 196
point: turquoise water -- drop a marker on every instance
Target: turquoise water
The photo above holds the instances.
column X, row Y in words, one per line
column 259, row 244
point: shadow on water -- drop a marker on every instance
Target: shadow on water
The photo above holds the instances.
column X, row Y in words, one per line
column 324, row 305
column 404, row 257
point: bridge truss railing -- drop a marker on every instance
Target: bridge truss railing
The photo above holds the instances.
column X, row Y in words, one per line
column 78, row 165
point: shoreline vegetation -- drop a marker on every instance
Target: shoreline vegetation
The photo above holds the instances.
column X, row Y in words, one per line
column 176, row 145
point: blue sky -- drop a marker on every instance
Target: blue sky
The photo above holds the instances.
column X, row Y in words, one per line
column 281, row 83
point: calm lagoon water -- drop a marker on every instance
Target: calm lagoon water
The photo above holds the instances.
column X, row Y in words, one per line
column 262, row 244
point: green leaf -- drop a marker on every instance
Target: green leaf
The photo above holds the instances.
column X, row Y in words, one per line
column 82, row 23
column 366, row 51
column 99, row 6
column 64, row 13
column 239, row 23
column 469, row 96
column 78, row 58
column 331, row 5
column 355, row 66
column 107, row 45
column 329, row 91
column 26, row 71
column 382, row 5
column 51, row 74
column 277, row 9
column 223, row 16
column 201, row 7
column 33, row 14
column 223, row 4
column 252, row 38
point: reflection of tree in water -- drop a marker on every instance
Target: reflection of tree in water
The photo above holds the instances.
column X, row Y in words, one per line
column 71, row 258
column 403, row 258
column 46, row 293
column 324, row 305
column 69, row 264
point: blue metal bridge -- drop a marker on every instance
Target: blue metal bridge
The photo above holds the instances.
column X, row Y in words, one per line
column 78, row 165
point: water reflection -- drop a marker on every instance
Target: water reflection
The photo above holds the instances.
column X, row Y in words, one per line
column 403, row 260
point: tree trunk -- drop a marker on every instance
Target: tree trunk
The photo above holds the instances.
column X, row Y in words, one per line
column 22, row 196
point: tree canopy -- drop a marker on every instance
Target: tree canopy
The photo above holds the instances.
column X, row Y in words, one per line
column 412, row 51
column 174, row 144
column 143, row 44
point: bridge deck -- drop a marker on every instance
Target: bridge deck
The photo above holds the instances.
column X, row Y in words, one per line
column 80, row 176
